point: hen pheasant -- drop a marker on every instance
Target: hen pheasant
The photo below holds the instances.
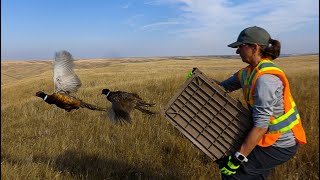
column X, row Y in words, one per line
column 66, row 81
column 123, row 103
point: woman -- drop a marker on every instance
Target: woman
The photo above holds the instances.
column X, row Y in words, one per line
column 277, row 129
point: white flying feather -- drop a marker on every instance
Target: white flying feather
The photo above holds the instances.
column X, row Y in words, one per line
column 64, row 77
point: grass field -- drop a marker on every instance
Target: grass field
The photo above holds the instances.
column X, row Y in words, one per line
column 40, row 141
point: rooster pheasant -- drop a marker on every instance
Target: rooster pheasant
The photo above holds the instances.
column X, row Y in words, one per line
column 123, row 103
column 66, row 81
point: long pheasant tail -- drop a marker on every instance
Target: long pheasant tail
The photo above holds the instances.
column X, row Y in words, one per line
column 92, row 107
column 145, row 104
column 145, row 110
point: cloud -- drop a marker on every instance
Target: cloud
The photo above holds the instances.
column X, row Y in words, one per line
column 133, row 20
column 160, row 2
column 126, row 6
column 218, row 15
column 160, row 25
column 212, row 24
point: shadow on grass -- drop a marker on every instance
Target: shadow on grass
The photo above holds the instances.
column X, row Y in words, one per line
column 81, row 165
column 84, row 166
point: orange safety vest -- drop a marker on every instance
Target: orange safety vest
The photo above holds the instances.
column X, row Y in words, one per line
column 290, row 120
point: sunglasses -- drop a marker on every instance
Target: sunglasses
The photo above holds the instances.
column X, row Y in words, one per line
column 243, row 45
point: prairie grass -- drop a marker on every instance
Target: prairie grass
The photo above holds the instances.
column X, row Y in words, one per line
column 40, row 141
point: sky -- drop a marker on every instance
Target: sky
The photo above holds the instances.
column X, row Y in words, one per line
column 36, row 29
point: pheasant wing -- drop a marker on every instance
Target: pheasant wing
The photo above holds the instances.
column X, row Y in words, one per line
column 120, row 112
column 122, row 105
column 64, row 77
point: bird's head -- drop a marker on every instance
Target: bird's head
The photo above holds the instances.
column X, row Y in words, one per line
column 105, row 92
column 41, row 94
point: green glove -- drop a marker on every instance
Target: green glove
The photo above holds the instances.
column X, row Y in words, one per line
column 189, row 75
column 230, row 166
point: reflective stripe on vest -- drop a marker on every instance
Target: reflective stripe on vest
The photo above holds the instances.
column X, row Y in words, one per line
column 285, row 122
column 248, row 81
column 244, row 74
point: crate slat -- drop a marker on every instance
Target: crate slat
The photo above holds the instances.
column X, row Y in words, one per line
column 208, row 116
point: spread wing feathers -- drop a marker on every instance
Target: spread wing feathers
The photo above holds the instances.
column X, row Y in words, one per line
column 64, row 77
column 120, row 112
column 91, row 106
column 121, row 96
column 123, row 103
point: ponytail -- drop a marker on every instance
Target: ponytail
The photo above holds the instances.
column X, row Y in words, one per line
column 272, row 52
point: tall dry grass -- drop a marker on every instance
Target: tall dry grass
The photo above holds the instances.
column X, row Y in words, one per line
column 40, row 141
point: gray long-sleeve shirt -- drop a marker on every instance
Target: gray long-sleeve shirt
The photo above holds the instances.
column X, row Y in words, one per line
column 268, row 101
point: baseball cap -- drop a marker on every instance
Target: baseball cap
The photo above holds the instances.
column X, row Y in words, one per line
column 252, row 35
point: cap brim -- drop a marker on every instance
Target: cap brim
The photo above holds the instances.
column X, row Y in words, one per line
column 235, row 44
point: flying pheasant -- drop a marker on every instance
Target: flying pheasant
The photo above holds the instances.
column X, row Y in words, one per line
column 65, row 82
column 123, row 103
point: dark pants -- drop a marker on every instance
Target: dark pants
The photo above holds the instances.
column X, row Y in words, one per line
column 261, row 161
